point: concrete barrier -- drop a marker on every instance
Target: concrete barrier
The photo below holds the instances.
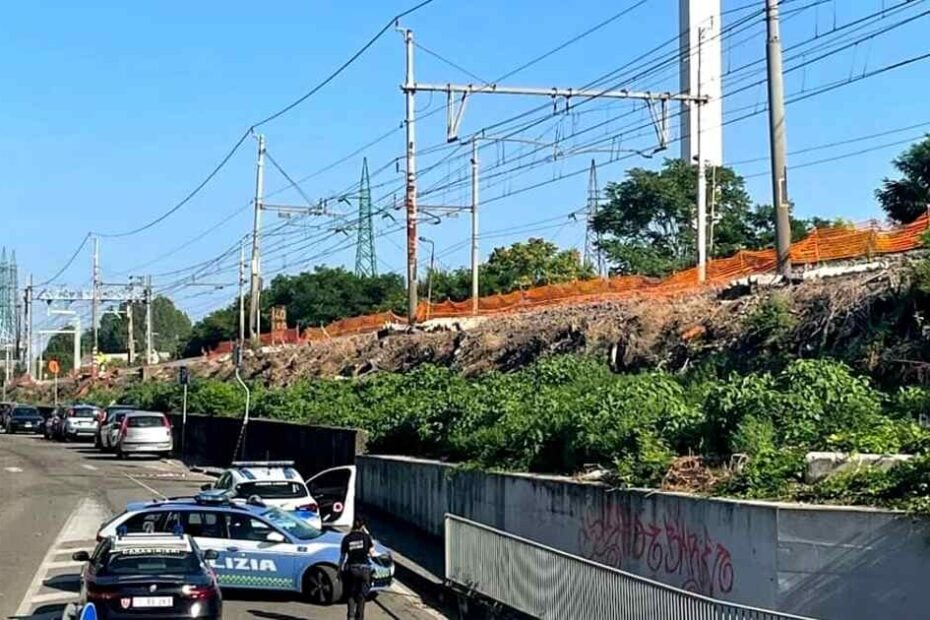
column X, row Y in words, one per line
column 824, row 562
column 211, row 440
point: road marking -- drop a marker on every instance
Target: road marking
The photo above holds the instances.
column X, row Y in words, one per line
column 14, row 470
column 38, row 599
column 90, row 467
column 146, row 487
column 81, row 525
column 66, row 564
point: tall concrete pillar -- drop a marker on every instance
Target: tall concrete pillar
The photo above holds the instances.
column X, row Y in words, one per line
column 700, row 74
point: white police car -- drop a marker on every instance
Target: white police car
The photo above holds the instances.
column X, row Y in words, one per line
column 258, row 546
column 279, row 484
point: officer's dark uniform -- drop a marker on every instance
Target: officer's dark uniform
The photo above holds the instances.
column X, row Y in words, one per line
column 356, row 575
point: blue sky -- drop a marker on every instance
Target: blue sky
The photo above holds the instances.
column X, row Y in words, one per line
column 113, row 111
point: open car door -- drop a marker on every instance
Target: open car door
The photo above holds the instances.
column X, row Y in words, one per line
column 334, row 491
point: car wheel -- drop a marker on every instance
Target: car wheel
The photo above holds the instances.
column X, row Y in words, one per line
column 322, row 585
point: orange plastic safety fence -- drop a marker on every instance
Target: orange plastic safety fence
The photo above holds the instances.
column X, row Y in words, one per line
column 821, row 245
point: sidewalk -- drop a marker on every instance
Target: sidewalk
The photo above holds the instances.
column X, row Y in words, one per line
column 418, row 556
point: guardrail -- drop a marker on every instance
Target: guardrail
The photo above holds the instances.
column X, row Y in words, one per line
column 553, row 585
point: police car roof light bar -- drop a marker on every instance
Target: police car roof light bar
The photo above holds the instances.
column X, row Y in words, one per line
column 263, row 463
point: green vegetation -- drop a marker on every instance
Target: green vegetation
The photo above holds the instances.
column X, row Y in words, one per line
column 906, row 198
column 171, row 326
column 565, row 412
column 647, row 223
column 328, row 294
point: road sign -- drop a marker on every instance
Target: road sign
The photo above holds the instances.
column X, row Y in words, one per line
column 53, row 367
column 184, row 375
column 89, row 612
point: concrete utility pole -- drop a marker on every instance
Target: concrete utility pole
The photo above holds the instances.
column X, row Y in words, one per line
column 241, row 295
column 255, row 326
column 410, row 194
column 701, row 178
column 148, row 320
column 94, row 309
column 474, row 226
column 130, row 336
column 28, row 329
column 777, row 140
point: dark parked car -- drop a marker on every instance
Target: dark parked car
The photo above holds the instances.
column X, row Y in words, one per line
column 137, row 576
column 23, row 419
column 46, row 411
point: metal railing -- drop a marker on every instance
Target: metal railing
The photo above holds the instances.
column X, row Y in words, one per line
column 553, row 585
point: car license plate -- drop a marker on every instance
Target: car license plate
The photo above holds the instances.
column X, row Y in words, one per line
column 152, row 601
column 28, row 425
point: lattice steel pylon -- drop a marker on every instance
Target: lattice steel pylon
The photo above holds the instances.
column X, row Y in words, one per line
column 365, row 262
column 593, row 255
column 7, row 299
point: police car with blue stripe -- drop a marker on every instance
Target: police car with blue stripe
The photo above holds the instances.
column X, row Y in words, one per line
column 279, row 484
column 257, row 546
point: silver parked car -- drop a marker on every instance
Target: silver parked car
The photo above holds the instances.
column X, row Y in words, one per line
column 144, row 432
column 79, row 422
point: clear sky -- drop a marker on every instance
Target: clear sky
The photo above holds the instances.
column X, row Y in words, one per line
column 113, row 111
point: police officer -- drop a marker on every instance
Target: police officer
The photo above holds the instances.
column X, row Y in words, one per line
column 356, row 571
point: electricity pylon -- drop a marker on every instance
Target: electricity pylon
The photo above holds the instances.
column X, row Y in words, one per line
column 365, row 263
column 593, row 255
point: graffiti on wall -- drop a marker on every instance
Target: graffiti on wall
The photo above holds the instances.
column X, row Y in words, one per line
column 672, row 550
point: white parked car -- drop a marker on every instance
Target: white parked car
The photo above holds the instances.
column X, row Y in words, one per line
column 328, row 498
column 143, row 432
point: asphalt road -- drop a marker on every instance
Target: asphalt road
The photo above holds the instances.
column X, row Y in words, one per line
column 53, row 498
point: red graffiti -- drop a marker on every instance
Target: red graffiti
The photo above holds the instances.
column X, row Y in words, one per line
column 619, row 538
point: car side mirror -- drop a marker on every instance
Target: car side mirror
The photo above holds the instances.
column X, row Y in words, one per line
column 80, row 556
column 206, row 487
column 276, row 537
column 211, row 554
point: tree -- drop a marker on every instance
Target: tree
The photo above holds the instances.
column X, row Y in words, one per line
column 535, row 262
column 522, row 265
column 219, row 326
column 648, row 226
column 327, row 294
column 171, row 327
column 907, row 198
column 60, row 347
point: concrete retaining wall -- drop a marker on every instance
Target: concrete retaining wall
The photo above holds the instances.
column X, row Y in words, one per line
column 211, row 440
column 818, row 561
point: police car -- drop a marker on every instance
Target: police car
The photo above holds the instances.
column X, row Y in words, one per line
column 152, row 575
column 257, row 546
column 277, row 483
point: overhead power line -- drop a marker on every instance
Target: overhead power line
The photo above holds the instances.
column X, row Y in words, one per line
column 319, row 86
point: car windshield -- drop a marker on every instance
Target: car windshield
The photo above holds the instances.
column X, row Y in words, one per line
column 272, row 489
column 152, row 562
column 298, row 528
column 83, row 412
column 145, row 421
column 25, row 412
column 116, row 416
